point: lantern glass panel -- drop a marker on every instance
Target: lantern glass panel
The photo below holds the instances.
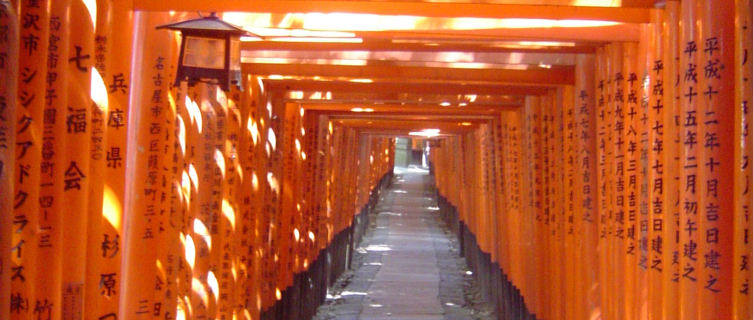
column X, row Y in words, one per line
column 235, row 54
column 204, row 52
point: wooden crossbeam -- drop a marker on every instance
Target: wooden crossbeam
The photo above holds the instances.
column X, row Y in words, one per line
column 426, row 9
column 421, row 110
column 557, row 75
column 374, row 45
column 404, row 87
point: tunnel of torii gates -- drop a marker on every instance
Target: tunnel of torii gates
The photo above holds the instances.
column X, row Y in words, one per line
column 592, row 156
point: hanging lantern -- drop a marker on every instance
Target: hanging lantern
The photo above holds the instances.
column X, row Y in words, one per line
column 210, row 51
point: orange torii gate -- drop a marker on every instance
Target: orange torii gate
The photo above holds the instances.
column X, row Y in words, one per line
column 193, row 196
column 618, row 188
column 636, row 140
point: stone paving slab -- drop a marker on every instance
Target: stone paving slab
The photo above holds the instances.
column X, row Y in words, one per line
column 407, row 267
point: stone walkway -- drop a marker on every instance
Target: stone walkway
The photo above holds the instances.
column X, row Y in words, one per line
column 408, row 266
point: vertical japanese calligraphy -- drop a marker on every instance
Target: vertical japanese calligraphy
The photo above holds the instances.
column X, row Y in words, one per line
column 621, row 192
column 653, row 90
column 689, row 162
column 715, row 165
column 146, row 200
column 603, row 197
column 673, row 170
column 741, row 295
column 33, row 20
column 76, row 173
column 116, row 74
column 53, row 149
column 586, row 164
column 8, row 91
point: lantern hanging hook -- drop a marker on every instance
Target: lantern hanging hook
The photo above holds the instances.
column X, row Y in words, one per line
column 212, row 14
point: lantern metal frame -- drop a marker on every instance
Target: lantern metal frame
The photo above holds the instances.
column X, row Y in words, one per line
column 209, row 27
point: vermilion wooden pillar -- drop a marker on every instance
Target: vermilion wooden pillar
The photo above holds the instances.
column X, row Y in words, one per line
column 51, row 222
column 231, row 265
column 643, row 127
column 77, row 175
column 559, row 215
column 554, row 205
column 266, row 216
column 539, row 202
column 672, row 163
column 617, row 79
column 143, row 200
column 515, row 120
column 321, row 180
column 743, row 172
column 118, row 80
column 690, row 164
column 171, row 260
column 603, row 197
column 586, row 162
column 569, row 219
column 213, row 102
column 249, row 181
column 258, row 132
column 32, row 66
column 501, row 166
column 631, row 174
column 716, row 143
column 97, row 165
column 287, row 114
column 527, row 283
column 656, row 140
column 8, row 95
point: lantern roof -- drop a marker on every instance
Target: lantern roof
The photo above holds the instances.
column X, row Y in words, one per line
column 212, row 23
